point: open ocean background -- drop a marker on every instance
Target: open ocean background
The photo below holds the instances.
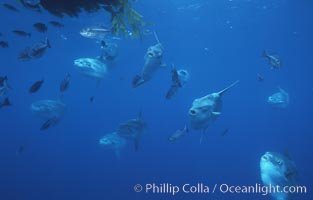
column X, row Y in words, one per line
column 218, row 42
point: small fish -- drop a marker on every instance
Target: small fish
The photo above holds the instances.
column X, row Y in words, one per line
column 31, row 4
column 24, row 55
column 224, row 132
column 63, row 37
column 273, row 60
column 36, row 86
column 178, row 134
column 91, row 99
column 172, row 91
column 56, row 24
column 40, row 27
column 20, row 150
column 6, row 102
column 4, row 44
column 36, row 51
column 176, row 84
column 153, row 62
column 122, row 78
column 39, row 48
column 103, row 44
column 4, row 86
column 2, row 79
column 115, row 38
column 21, row 33
column 260, row 78
column 10, row 7
column 147, row 32
column 65, row 83
column 179, row 79
column 47, row 124
column 97, row 32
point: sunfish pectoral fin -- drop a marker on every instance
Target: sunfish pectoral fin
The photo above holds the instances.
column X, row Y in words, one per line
column 47, row 124
column 264, row 54
column 7, row 85
column 216, row 113
column 203, row 134
column 281, row 90
column 137, row 81
column 227, row 88
column 186, row 129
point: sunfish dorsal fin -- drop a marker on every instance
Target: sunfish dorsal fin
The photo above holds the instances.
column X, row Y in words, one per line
column 287, row 154
column 203, row 134
column 281, row 90
column 227, row 88
column 156, row 37
column 101, row 58
column 140, row 115
column 136, row 142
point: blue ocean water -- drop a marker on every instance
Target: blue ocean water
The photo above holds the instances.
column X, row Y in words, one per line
column 218, row 42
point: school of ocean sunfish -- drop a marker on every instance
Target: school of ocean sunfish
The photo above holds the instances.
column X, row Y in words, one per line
column 275, row 168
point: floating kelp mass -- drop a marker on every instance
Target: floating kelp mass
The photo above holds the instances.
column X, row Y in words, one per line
column 124, row 19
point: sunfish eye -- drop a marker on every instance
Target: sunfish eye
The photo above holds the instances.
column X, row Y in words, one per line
column 279, row 162
column 183, row 73
column 265, row 158
column 192, row 112
column 204, row 109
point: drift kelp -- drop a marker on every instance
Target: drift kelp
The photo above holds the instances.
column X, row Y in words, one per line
column 124, row 18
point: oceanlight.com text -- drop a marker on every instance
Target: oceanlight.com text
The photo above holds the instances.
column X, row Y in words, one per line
column 202, row 188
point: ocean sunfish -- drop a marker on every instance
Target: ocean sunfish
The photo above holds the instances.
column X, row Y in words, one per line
column 278, row 170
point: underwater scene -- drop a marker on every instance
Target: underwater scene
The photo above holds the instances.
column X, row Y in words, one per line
column 156, row 99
